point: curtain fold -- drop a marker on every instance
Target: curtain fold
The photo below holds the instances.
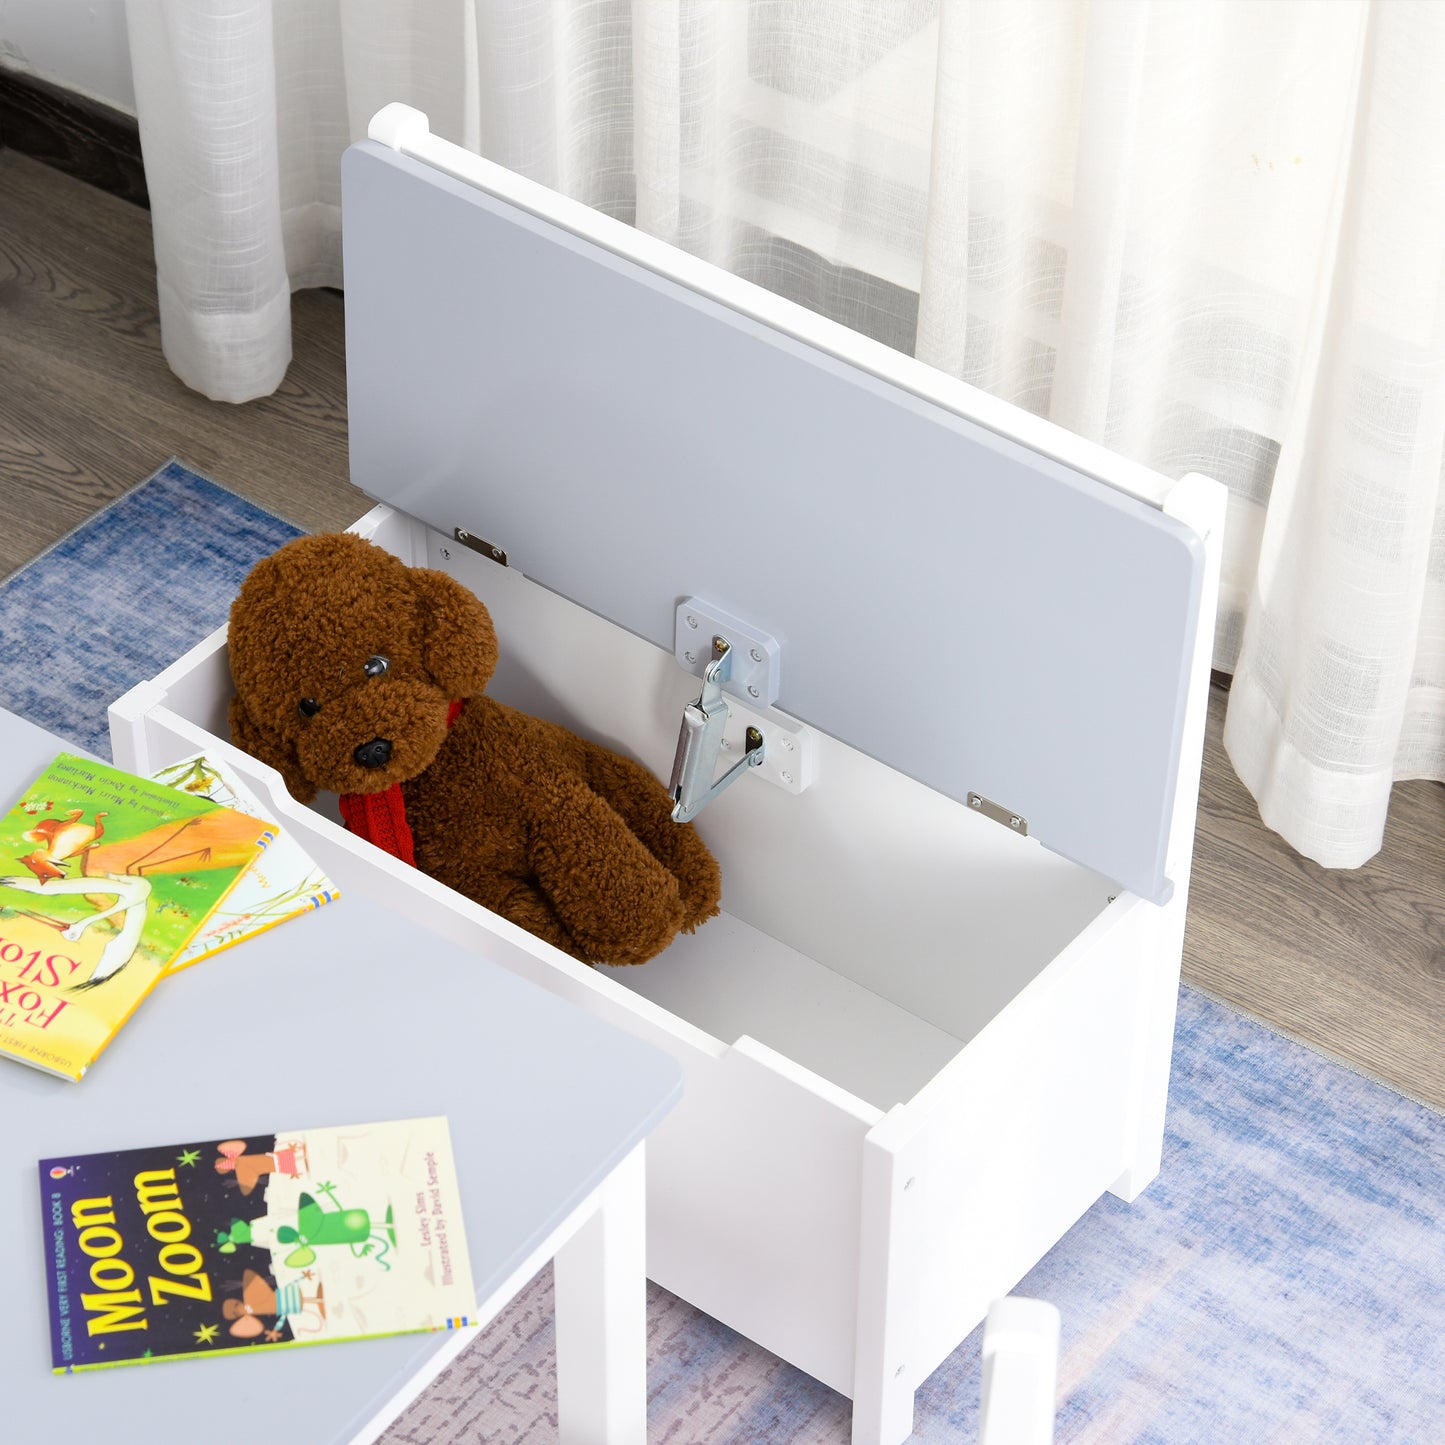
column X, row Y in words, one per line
column 1206, row 233
column 1340, row 686
column 213, row 170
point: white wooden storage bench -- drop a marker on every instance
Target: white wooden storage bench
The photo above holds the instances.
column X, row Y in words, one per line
column 934, row 1021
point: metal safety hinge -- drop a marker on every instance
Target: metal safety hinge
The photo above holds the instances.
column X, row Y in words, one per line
column 699, row 742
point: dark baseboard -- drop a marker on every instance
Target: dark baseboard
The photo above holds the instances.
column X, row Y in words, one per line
column 84, row 138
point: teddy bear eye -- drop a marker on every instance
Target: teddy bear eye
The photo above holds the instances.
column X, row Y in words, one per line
column 308, row 707
column 375, row 666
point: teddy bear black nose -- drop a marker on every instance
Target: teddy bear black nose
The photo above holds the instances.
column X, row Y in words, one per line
column 373, row 754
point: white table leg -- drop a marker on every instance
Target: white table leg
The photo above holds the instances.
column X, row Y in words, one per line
column 602, row 1388
column 599, row 1278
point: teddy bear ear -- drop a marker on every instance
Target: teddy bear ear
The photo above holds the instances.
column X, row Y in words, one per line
column 250, row 737
column 459, row 647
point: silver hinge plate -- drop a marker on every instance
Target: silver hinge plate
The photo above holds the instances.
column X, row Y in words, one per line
column 1014, row 822
column 753, row 672
column 478, row 544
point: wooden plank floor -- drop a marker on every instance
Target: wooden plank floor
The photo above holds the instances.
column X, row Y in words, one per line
column 1351, row 962
column 87, row 404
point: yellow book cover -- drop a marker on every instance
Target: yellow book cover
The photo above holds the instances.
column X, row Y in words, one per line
column 217, row 1246
column 104, row 879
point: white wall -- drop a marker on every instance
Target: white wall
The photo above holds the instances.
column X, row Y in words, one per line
column 79, row 45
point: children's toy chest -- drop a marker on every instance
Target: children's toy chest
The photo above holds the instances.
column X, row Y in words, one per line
column 934, row 1021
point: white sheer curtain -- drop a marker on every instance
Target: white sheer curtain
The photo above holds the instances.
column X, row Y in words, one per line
column 1208, row 233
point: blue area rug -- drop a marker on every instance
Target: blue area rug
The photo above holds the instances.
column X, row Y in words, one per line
column 1283, row 1280
column 125, row 593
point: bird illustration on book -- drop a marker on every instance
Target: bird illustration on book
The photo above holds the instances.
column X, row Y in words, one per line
column 259, row 1301
column 218, row 839
column 112, row 875
column 60, row 841
column 247, row 1170
column 132, row 897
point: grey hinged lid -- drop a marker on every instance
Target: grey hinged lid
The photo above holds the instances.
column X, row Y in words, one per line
column 973, row 612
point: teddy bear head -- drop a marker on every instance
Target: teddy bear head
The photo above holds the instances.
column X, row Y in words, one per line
column 347, row 662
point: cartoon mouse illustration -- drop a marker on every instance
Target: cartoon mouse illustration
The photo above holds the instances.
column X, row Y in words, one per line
column 249, row 1169
column 259, row 1301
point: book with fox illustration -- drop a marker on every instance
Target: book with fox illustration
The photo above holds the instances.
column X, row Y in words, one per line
column 104, row 879
column 282, row 884
column 211, row 1246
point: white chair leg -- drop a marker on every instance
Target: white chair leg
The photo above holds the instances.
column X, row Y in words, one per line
column 600, row 1284
column 1020, row 1372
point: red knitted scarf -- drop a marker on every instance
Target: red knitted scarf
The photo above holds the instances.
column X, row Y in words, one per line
column 380, row 818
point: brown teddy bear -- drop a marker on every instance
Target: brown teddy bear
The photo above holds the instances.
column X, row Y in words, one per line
column 359, row 675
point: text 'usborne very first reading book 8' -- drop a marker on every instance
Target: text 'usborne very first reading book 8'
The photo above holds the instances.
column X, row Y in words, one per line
column 104, row 879
column 212, row 1246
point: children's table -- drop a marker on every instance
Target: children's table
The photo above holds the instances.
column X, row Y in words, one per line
column 352, row 1013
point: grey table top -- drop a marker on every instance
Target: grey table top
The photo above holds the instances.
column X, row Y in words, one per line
column 347, row 1014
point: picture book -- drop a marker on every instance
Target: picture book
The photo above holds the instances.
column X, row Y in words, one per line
column 210, row 1246
column 104, row 878
column 278, row 886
